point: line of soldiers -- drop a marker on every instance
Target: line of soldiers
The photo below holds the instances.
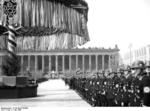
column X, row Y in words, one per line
column 130, row 87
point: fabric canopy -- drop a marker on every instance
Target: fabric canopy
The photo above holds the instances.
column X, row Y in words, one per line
column 61, row 22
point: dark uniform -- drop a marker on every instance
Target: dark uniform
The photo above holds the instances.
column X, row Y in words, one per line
column 141, row 84
column 132, row 90
column 145, row 88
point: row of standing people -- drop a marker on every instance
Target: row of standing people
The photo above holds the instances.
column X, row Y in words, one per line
column 130, row 87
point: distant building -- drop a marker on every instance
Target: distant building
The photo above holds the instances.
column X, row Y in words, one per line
column 142, row 53
column 68, row 60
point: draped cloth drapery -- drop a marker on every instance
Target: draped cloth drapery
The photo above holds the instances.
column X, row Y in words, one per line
column 49, row 24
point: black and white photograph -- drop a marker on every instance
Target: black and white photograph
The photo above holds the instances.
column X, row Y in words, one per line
column 84, row 54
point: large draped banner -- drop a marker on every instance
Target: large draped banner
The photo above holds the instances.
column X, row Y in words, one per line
column 49, row 24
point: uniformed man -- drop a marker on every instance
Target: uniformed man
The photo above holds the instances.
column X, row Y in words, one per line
column 146, row 87
column 147, row 69
column 120, row 72
column 127, row 72
column 109, row 94
column 141, row 81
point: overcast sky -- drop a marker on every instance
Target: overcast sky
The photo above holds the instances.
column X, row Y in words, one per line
column 120, row 22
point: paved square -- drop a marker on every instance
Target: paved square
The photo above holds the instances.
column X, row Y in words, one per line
column 52, row 93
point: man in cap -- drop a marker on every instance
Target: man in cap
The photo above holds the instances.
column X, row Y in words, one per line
column 138, row 68
column 144, row 82
column 147, row 69
column 127, row 72
column 145, row 87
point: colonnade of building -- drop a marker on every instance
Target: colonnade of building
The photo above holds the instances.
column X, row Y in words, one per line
column 67, row 60
column 64, row 63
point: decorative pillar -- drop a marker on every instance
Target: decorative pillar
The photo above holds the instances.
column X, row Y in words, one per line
column 56, row 63
column 90, row 63
column 103, row 62
column 50, row 63
column 8, row 8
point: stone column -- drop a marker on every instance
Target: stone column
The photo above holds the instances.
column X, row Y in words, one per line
column 69, row 63
column 109, row 63
column 0, row 60
column 50, row 63
column 29, row 57
column 22, row 64
column 90, row 63
column 76, row 62
column 0, row 64
column 35, row 63
column 96, row 61
column 83, row 62
column 63, row 63
column 43, row 62
column 56, row 64
column 103, row 62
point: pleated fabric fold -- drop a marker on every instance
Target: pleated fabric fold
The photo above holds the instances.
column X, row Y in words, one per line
column 45, row 43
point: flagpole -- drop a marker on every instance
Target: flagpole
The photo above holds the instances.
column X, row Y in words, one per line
column 130, row 46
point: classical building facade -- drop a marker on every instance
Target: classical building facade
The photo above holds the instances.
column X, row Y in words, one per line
column 68, row 60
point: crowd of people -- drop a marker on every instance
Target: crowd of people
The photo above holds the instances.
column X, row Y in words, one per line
column 126, row 87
